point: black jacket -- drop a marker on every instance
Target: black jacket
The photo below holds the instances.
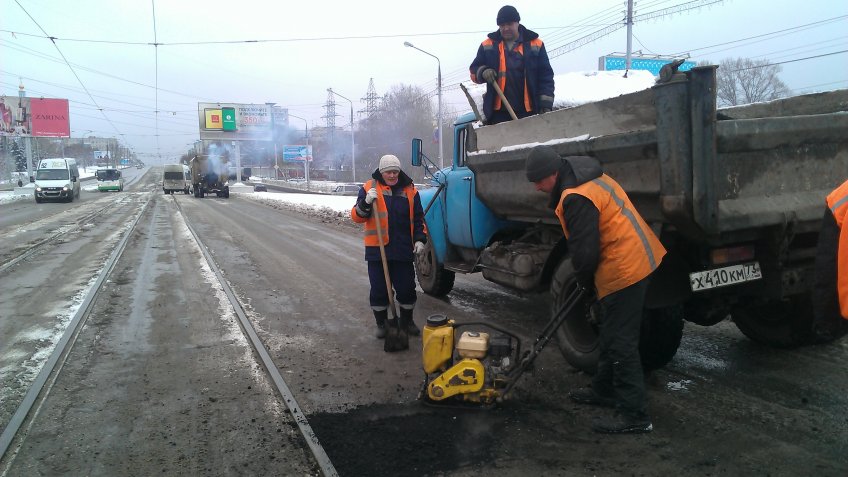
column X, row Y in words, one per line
column 584, row 244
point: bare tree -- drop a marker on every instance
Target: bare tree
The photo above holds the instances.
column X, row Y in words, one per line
column 745, row 81
column 405, row 112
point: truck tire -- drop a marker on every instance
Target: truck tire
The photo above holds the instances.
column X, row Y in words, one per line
column 432, row 277
column 578, row 335
column 659, row 339
column 780, row 323
column 227, row 193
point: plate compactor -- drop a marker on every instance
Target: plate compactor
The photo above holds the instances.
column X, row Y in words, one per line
column 478, row 367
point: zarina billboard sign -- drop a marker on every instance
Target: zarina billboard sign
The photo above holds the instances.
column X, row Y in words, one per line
column 239, row 122
column 40, row 117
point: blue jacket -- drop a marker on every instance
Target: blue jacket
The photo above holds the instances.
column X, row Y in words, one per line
column 534, row 67
column 400, row 242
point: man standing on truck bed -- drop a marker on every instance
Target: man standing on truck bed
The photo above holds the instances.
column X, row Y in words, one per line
column 398, row 208
column 516, row 59
column 613, row 252
column 830, row 294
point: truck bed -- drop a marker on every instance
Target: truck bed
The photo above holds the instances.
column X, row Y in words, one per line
column 707, row 172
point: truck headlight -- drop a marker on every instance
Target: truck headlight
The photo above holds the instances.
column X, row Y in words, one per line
column 66, row 188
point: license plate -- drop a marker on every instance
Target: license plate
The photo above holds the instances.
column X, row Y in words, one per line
column 724, row 276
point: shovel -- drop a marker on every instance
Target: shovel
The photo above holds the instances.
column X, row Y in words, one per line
column 397, row 337
column 503, row 98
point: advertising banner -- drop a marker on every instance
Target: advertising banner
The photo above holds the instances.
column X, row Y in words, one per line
column 653, row 64
column 240, row 122
column 41, row 117
column 49, row 117
column 297, row 153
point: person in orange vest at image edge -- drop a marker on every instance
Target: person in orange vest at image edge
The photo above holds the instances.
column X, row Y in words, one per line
column 830, row 293
column 401, row 216
column 516, row 59
column 614, row 253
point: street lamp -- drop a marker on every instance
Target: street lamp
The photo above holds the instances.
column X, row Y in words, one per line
column 439, row 63
column 352, row 149
column 305, row 162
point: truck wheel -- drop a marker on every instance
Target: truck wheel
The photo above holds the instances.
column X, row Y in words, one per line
column 432, row 277
column 780, row 323
column 37, row 200
column 578, row 335
column 659, row 338
column 227, row 193
column 662, row 329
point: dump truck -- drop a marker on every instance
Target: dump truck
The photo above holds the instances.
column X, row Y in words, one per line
column 736, row 195
column 209, row 174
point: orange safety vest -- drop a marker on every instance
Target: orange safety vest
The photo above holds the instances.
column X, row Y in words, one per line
column 382, row 214
column 629, row 249
column 837, row 201
column 535, row 45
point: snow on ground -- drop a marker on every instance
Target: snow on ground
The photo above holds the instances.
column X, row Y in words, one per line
column 582, row 87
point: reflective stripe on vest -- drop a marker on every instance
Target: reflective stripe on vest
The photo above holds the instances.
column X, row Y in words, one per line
column 629, row 249
column 381, row 211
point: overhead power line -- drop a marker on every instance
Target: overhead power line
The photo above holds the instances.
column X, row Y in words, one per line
column 71, row 68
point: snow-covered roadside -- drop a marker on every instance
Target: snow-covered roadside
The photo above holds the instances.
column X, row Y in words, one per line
column 334, row 209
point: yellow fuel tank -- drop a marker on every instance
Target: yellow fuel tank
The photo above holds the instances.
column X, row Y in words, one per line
column 437, row 342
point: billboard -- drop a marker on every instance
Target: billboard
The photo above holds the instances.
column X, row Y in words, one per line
column 652, row 64
column 239, row 121
column 297, row 153
column 40, row 117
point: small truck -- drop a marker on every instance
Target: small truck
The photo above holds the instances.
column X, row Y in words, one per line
column 736, row 195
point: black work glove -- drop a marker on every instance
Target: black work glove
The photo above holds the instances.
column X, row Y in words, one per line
column 489, row 75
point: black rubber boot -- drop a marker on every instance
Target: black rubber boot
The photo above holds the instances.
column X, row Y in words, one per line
column 381, row 317
column 406, row 317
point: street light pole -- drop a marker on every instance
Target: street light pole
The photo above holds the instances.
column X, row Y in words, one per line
column 352, row 147
column 273, row 135
column 439, row 63
column 305, row 162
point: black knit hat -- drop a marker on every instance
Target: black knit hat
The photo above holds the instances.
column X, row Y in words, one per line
column 507, row 14
column 542, row 162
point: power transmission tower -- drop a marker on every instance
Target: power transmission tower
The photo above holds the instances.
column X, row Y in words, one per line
column 371, row 100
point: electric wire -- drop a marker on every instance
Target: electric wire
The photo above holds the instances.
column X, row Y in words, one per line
column 69, row 66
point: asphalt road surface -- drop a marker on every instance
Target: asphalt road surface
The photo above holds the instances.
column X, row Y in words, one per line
column 161, row 381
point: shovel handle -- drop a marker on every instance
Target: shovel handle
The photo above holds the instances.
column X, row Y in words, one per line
column 503, row 98
column 385, row 262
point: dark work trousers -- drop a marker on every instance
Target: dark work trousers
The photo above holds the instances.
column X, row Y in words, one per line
column 402, row 275
column 619, row 366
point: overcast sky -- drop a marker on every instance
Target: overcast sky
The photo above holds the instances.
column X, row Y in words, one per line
column 303, row 48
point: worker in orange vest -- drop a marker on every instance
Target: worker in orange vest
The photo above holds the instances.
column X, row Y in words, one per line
column 614, row 253
column 830, row 294
column 398, row 208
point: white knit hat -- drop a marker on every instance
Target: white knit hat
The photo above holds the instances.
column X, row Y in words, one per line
column 389, row 163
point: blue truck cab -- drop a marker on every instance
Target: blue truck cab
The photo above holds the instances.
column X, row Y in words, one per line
column 459, row 224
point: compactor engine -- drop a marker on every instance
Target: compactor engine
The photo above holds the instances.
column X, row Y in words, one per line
column 473, row 367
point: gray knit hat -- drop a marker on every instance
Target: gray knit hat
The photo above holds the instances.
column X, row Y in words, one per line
column 542, row 162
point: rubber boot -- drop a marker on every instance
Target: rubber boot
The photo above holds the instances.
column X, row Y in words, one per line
column 381, row 316
column 406, row 318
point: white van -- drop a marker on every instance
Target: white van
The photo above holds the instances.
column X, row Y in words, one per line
column 109, row 179
column 57, row 179
column 177, row 177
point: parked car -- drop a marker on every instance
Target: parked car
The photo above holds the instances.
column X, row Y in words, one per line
column 346, row 189
column 259, row 188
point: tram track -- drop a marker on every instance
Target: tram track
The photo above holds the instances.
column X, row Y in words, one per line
column 40, row 388
column 280, row 384
column 27, row 413
column 62, row 231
